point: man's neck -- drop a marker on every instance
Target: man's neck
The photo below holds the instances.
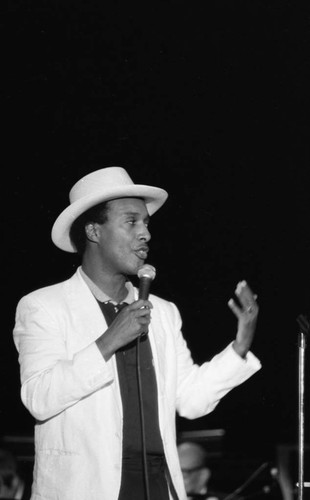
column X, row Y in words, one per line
column 113, row 286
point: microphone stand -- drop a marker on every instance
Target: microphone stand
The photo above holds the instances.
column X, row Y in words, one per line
column 236, row 492
column 302, row 344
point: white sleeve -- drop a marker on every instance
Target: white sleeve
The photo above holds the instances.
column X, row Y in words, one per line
column 51, row 382
column 200, row 388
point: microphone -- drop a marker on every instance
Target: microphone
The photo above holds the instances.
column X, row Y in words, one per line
column 146, row 274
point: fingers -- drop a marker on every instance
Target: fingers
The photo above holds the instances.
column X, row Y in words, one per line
column 139, row 311
column 247, row 300
column 245, row 296
column 234, row 308
column 131, row 322
column 141, row 304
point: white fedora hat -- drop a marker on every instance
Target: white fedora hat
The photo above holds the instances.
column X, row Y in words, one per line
column 102, row 185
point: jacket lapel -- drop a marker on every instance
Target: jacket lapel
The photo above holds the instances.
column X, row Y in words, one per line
column 157, row 341
column 84, row 307
column 89, row 322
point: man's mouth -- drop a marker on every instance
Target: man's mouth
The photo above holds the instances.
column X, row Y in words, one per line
column 142, row 253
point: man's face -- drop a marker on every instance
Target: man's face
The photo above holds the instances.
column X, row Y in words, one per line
column 124, row 236
column 195, row 474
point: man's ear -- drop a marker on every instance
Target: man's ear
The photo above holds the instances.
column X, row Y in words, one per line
column 91, row 231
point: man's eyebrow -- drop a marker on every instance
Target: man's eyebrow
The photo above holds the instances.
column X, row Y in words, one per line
column 135, row 214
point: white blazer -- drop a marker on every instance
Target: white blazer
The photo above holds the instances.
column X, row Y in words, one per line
column 74, row 394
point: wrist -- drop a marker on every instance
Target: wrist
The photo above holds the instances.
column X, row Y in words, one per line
column 105, row 346
column 240, row 349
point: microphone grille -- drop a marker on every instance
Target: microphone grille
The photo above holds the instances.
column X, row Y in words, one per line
column 147, row 271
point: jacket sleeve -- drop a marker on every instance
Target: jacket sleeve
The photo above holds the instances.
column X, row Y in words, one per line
column 200, row 388
column 51, row 380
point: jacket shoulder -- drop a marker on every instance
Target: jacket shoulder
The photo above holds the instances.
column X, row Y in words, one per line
column 50, row 293
column 165, row 307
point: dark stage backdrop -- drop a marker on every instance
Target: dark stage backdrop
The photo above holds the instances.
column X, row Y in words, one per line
column 207, row 99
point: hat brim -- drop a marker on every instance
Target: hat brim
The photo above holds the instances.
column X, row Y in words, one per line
column 154, row 198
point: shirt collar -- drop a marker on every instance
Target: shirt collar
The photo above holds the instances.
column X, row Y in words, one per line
column 102, row 296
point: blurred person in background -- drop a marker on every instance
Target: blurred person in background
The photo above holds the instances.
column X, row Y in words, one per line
column 12, row 485
column 196, row 471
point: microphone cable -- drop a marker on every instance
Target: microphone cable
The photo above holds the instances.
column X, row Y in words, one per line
column 143, row 439
column 146, row 274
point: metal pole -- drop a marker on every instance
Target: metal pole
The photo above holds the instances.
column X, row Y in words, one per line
column 301, row 413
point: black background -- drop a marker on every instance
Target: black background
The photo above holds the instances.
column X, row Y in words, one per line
column 207, row 99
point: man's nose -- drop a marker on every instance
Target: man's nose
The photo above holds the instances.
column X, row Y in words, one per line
column 144, row 234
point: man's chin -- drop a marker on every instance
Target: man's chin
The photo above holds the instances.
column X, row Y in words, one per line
column 133, row 270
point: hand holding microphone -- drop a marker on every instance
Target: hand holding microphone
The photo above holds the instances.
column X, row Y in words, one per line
column 133, row 320
column 139, row 312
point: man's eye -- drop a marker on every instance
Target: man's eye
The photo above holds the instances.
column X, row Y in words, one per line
column 131, row 221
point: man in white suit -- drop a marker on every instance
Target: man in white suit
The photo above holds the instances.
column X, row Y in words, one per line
column 104, row 382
